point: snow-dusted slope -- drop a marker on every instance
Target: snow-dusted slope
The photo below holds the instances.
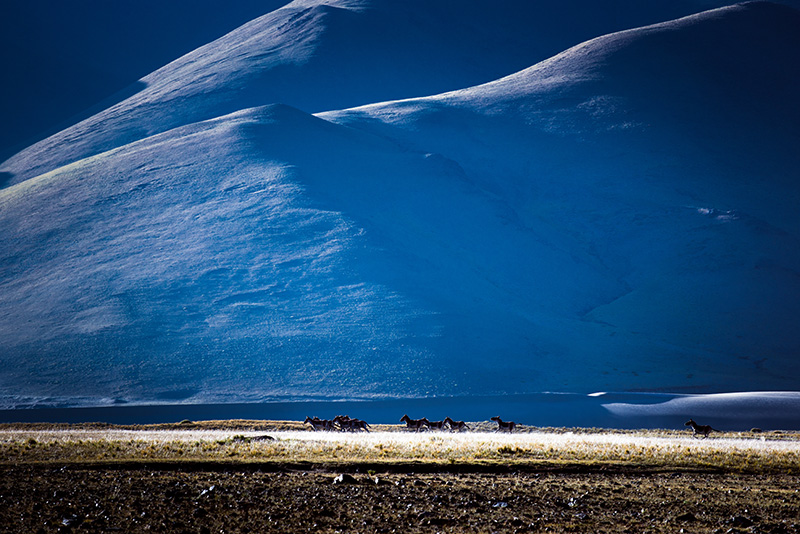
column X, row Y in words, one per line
column 670, row 154
column 60, row 58
column 319, row 55
column 621, row 216
column 702, row 108
column 269, row 253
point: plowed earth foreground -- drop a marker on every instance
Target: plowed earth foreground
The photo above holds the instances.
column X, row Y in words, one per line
column 213, row 498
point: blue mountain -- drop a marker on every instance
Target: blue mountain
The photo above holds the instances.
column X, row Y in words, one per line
column 621, row 216
column 316, row 55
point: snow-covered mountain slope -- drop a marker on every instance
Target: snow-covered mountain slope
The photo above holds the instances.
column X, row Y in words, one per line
column 619, row 217
column 320, row 55
column 669, row 152
column 60, row 58
column 703, row 106
column 266, row 253
column 714, row 76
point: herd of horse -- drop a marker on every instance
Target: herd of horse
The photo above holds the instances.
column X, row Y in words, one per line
column 345, row 423
column 340, row 422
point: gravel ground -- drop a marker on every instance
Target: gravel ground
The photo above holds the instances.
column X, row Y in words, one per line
column 213, row 498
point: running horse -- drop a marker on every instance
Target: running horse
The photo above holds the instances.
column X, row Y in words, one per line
column 319, row 424
column 699, row 430
column 458, row 426
column 504, row 426
column 358, row 424
column 436, row 425
column 351, row 425
column 414, row 424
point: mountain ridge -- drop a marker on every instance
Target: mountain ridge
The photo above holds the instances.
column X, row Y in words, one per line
column 476, row 242
column 401, row 50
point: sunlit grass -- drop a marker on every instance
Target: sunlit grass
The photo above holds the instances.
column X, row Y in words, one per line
column 744, row 452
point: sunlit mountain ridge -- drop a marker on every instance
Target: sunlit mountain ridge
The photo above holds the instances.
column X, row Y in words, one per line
column 620, row 216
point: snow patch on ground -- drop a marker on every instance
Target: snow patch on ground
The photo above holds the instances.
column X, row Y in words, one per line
column 719, row 406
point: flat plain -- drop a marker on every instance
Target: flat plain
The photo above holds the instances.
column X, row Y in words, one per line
column 277, row 476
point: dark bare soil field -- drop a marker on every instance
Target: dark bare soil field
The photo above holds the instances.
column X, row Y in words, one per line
column 80, row 499
column 44, row 492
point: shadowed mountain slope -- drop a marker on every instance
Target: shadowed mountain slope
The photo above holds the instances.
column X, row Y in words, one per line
column 268, row 253
column 621, row 216
column 670, row 153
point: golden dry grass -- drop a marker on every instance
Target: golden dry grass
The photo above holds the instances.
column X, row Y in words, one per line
column 287, row 442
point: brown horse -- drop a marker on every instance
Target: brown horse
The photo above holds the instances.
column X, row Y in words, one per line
column 436, row 425
column 504, row 426
column 319, row 424
column 345, row 422
column 414, row 424
column 458, row 426
column 699, row 430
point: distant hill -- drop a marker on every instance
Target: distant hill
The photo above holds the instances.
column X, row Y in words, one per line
column 620, row 216
column 666, row 154
column 69, row 62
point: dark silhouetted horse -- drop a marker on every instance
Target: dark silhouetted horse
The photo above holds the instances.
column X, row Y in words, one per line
column 699, row 430
column 504, row 426
column 414, row 424
column 457, row 426
column 319, row 424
